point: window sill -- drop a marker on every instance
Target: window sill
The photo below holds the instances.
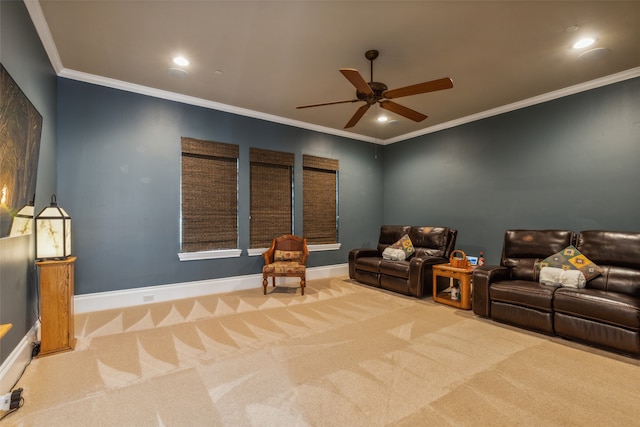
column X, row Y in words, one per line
column 234, row 253
column 194, row 256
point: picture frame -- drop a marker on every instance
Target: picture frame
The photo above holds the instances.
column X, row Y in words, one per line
column 20, row 133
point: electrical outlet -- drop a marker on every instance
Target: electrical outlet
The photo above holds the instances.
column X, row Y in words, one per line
column 147, row 298
column 11, row 400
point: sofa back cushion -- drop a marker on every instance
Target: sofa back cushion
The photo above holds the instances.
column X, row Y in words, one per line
column 433, row 241
column 618, row 254
column 389, row 234
column 522, row 249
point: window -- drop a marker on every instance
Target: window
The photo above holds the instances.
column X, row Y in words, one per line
column 271, row 196
column 320, row 194
column 209, row 195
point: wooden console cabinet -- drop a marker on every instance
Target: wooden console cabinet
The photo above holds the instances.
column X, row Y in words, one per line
column 56, row 306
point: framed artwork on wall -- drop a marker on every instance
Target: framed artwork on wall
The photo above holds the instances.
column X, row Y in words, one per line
column 20, row 132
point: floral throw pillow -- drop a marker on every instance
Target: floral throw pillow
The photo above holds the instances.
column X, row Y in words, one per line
column 572, row 259
column 405, row 245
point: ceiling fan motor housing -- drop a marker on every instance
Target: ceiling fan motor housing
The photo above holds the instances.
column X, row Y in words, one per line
column 377, row 88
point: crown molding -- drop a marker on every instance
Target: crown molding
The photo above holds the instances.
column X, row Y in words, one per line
column 192, row 100
column 546, row 97
column 172, row 96
column 42, row 28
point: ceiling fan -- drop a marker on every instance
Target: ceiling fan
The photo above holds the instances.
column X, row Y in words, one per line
column 376, row 92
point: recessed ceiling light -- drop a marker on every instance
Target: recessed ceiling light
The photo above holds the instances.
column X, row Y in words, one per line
column 178, row 72
column 596, row 53
column 181, row 61
column 584, row 42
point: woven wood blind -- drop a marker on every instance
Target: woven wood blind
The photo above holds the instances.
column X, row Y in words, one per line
column 209, row 195
column 271, row 196
column 319, row 211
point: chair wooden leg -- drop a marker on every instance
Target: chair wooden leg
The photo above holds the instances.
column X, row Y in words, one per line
column 273, row 282
column 303, row 283
column 265, row 282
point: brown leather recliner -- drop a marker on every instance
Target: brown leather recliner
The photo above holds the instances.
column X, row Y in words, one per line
column 511, row 293
column 605, row 313
column 433, row 245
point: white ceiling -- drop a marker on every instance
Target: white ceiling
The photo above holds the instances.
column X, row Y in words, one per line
column 264, row 58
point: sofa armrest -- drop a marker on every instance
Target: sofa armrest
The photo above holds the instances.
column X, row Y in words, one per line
column 483, row 277
column 354, row 254
column 421, row 275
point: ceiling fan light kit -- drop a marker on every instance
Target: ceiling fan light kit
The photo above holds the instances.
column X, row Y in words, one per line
column 376, row 92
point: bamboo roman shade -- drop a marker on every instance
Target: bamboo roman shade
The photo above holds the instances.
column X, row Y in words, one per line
column 209, row 195
column 319, row 212
column 271, row 196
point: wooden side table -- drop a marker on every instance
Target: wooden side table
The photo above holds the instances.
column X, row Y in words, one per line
column 463, row 275
column 56, row 306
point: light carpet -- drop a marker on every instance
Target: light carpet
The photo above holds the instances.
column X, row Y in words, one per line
column 343, row 354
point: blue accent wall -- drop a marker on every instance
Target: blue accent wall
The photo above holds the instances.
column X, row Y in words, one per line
column 119, row 179
column 572, row 163
column 23, row 56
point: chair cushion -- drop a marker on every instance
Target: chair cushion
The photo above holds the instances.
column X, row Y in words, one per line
column 284, row 267
column 287, row 255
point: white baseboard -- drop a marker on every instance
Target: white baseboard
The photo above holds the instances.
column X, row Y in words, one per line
column 147, row 295
column 14, row 365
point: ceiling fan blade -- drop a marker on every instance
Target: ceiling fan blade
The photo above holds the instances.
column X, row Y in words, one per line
column 432, row 86
column 403, row 111
column 357, row 116
column 357, row 80
column 328, row 103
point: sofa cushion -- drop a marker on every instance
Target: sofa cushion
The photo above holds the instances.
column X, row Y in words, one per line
column 523, row 248
column 395, row 268
column 389, row 234
column 594, row 304
column 371, row 264
column 523, row 293
column 572, row 259
column 432, row 239
column 617, row 248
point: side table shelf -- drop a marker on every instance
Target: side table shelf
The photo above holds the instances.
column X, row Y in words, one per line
column 463, row 276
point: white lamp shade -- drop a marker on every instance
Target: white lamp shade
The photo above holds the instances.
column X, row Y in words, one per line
column 22, row 222
column 53, row 233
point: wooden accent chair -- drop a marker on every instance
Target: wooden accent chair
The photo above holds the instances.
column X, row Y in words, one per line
column 286, row 257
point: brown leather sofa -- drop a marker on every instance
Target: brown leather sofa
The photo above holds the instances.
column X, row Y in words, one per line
column 605, row 313
column 433, row 245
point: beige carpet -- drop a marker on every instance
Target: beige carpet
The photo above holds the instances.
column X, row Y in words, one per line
column 342, row 355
